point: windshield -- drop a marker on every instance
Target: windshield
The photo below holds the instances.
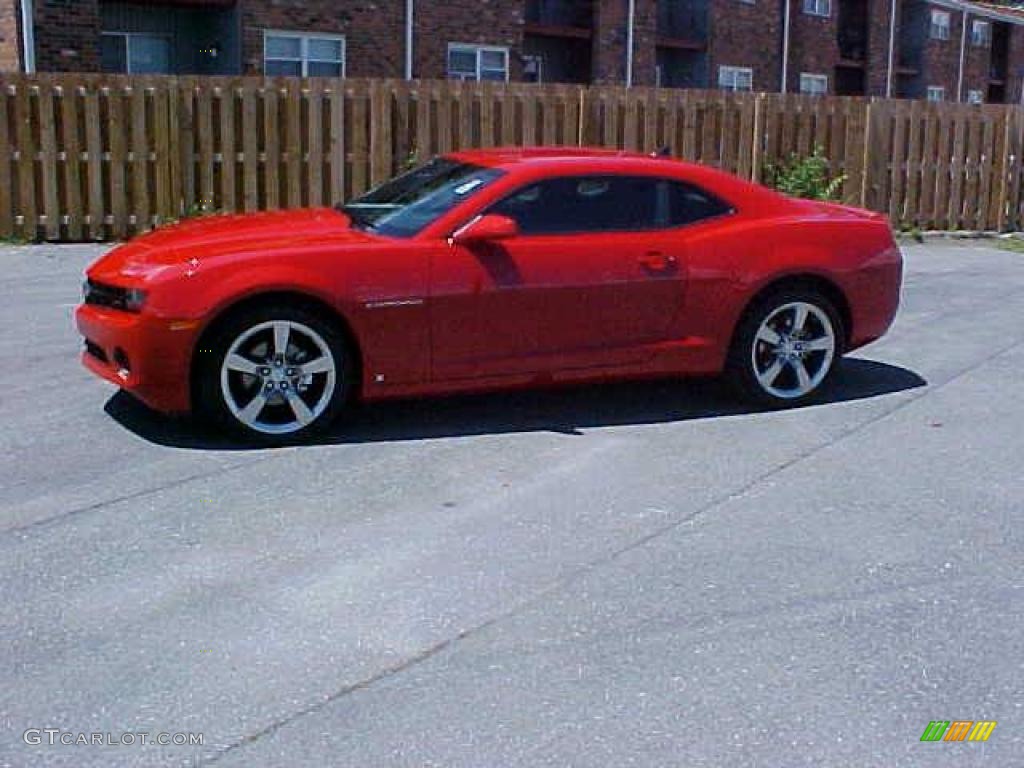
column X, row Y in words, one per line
column 405, row 205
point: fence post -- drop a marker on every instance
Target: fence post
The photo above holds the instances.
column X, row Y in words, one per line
column 866, row 164
column 1013, row 190
column 757, row 139
column 1004, row 172
column 581, row 119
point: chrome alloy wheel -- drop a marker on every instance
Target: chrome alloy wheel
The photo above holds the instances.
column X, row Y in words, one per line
column 793, row 350
column 278, row 377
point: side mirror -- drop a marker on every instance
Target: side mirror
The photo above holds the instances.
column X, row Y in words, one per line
column 486, row 228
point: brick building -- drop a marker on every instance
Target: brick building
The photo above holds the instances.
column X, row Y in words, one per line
column 940, row 49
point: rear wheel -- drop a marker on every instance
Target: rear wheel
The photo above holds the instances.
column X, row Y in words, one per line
column 786, row 348
column 276, row 373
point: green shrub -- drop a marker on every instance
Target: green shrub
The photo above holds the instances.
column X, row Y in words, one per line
column 807, row 177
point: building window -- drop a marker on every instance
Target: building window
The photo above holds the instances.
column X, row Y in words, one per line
column 533, row 68
column 975, row 97
column 135, row 54
column 818, row 7
column 936, row 93
column 981, row 34
column 813, row 85
column 477, row 62
column 303, row 55
column 736, row 78
column 940, row 25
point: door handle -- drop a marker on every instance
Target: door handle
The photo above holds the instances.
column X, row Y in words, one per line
column 656, row 261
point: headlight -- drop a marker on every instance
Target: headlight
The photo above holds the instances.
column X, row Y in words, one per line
column 115, row 297
column 134, row 298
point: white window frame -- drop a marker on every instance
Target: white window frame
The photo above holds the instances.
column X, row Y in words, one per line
column 479, row 50
column 941, row 25
column 304, row 38
column 128, row 46
column 975, row 96
column 818, row 8
column 981, row 33
column 728, row 77
column 809, row 78
column 936, row 93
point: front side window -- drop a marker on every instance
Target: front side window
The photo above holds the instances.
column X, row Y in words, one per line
column 135, row 54
column 408, row 203
column 936, row 93
column 477, row 62
column 813, row 85
column 736, row 78
column 818, row 7
column 581, row 204
column 303, row 55
column 940, row 25
column 975, row 97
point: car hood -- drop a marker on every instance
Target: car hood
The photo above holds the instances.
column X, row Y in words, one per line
column 197, row 240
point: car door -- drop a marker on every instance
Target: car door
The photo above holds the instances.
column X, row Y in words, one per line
column 591, row 280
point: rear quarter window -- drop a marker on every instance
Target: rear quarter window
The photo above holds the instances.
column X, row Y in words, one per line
column 687, row 204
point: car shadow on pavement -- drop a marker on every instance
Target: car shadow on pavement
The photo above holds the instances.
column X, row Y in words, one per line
column 562, row 409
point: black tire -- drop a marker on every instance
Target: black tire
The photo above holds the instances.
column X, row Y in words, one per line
column 740, row 364
column 212, row 403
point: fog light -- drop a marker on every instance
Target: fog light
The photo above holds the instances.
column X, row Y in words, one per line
column 124, row 367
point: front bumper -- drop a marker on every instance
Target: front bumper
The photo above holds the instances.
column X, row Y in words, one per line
column 144, row 355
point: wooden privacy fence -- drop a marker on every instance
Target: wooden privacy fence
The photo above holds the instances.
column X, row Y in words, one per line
column 101, row 157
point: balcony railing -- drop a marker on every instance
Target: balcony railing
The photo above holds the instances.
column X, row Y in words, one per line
column 560, row 13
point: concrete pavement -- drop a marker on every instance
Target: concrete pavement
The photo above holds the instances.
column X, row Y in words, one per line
column 642, row 574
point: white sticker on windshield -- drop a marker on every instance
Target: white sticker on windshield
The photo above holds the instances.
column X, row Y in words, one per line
column 468, row 186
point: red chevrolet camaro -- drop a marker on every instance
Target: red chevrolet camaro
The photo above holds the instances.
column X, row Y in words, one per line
column 490, row 269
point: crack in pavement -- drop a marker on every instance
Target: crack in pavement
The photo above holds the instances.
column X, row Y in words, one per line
column 46, row 522
column 600, row 562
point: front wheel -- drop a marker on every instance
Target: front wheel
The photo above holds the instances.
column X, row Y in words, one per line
column 275, row 373
column 786, row 348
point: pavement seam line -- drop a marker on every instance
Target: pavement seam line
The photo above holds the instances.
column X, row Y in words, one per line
column 590, row 567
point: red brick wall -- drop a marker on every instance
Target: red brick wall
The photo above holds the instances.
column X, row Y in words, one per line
column 609, row 59
column 10, row 43
column 374, row 31
column 976, row 63
column 488, row 22
column 876, row 71
column 739, row 34
column 813, row 45
column 1015, row 67
column 67, row 35
column 746, row 35
column 645, row 37
column 940, row 60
